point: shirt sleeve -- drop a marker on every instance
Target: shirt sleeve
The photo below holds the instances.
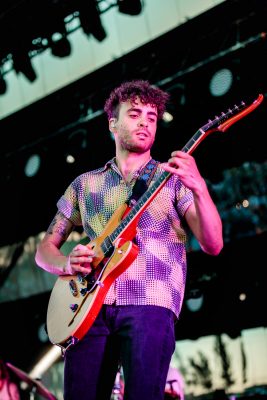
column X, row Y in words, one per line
column 184, row 197
column 68, row 204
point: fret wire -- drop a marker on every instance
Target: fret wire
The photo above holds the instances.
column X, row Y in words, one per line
column 192, row 141
column 106, row 245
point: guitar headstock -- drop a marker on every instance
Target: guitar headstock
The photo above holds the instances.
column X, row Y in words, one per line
column 225, row 120
column 221, row 123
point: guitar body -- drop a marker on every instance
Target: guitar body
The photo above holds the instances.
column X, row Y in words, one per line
column 64, row 324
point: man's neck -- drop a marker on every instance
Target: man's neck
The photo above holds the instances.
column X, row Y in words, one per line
column 130, row 163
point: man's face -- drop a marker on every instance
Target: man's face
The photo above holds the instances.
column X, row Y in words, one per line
column 136, row 126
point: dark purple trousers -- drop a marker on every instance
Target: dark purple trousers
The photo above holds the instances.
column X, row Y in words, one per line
column 140, row 338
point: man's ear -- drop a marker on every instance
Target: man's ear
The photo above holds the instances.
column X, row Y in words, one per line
column 112, row 124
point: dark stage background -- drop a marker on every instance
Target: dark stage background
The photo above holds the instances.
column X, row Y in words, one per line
column 231, row 36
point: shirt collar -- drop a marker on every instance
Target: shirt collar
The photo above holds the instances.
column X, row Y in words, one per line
column 109, row 164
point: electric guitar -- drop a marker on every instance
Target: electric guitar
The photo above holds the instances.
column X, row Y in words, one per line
column 75, row 300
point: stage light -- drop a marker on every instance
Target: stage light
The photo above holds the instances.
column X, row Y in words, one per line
column 167, row 117
column 89, row 16
column 195, row 300
column 70, row 159
column 60, row 45
column 32, row 165
column 221, row 82
column 42, row 335
column 77, row 143
column 194, row 304
column 242, row 296
column 22, row 63
column 131, row 7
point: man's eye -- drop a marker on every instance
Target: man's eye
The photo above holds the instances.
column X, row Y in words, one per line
column 133, row 115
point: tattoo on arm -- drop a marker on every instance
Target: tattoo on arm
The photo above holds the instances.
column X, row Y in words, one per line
column 59, row 225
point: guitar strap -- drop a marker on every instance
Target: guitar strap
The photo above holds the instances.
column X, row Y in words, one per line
column 143, row 182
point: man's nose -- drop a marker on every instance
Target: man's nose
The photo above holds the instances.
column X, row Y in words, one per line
column 143, row 122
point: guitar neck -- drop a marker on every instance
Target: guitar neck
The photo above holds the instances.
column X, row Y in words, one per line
column 151, row 192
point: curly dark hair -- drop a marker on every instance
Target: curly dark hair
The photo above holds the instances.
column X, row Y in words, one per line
column 130, row 90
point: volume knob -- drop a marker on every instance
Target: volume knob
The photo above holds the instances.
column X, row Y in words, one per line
column 74, row 307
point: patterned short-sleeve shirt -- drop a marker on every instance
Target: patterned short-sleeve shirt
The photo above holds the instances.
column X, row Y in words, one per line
column 157, row 275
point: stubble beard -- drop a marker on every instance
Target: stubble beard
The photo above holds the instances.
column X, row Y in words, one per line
column 130, row 145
